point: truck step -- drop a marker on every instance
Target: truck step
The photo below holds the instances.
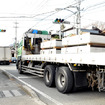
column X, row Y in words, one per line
column 34, row 71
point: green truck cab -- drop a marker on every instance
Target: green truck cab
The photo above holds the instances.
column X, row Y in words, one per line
column 19, row 53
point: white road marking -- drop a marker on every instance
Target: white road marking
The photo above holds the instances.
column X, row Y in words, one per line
column 35, row 89
column 26, row 77
column 7, row 93
column 16, row 92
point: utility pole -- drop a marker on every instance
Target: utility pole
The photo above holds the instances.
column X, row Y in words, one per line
column 78, row 20
column 16, row 37
column 77, row 13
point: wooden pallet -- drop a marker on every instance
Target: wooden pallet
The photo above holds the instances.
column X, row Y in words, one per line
column 52, row 48
column 84, row 44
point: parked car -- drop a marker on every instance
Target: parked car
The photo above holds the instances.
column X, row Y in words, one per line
column 13, row 60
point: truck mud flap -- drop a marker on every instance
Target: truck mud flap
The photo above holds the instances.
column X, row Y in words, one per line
column 80, row 79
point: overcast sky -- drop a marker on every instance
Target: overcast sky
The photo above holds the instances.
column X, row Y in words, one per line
column 39, row 14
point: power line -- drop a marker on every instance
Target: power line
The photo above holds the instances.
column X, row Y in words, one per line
column 44, row 18
column 73, row 5
column 92, row 10
column 96, row 8
column 41, row 7
column 94, row 5
column 42, row 14
column 26, row 16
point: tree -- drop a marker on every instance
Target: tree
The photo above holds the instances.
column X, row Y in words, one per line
column 100, row 25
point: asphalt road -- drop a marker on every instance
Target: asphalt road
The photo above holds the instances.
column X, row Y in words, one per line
column 52, row 96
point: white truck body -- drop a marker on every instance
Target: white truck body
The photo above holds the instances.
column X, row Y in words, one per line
column 76, row 60
column 92, row 59
column 5, row 54
column 81, row 52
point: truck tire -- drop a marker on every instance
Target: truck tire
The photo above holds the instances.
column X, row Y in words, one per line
column 64, row 80
column 8, row 63
column 49, row 75
column 17, row 64
column 20, row 67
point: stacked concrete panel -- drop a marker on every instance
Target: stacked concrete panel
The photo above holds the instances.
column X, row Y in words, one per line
column 74, row 40
column 86, row 43
column 51, row 47
column 83, row 39
column 51, row 44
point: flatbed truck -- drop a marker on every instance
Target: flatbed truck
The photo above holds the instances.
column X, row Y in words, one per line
column 68, row 70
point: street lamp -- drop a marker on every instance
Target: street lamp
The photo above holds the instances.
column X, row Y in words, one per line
column 60, row 9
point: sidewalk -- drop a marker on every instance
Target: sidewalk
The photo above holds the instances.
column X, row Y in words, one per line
column 12, row 93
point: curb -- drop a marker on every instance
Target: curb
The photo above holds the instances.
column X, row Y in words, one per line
column 7, row 74
column 28, row 90
column 32, row 94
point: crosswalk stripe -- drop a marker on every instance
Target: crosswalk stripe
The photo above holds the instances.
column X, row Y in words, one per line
column 16, row 92
column 0, row 95
column 7, row 93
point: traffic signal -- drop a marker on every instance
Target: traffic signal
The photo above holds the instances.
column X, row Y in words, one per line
column 58, row 20
column 2, row 30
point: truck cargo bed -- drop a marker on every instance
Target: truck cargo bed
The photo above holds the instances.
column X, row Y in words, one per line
column 92, row 58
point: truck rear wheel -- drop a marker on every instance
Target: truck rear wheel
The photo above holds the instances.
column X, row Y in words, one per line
column 49, row 75
column 20, row 67
column 64, row 80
